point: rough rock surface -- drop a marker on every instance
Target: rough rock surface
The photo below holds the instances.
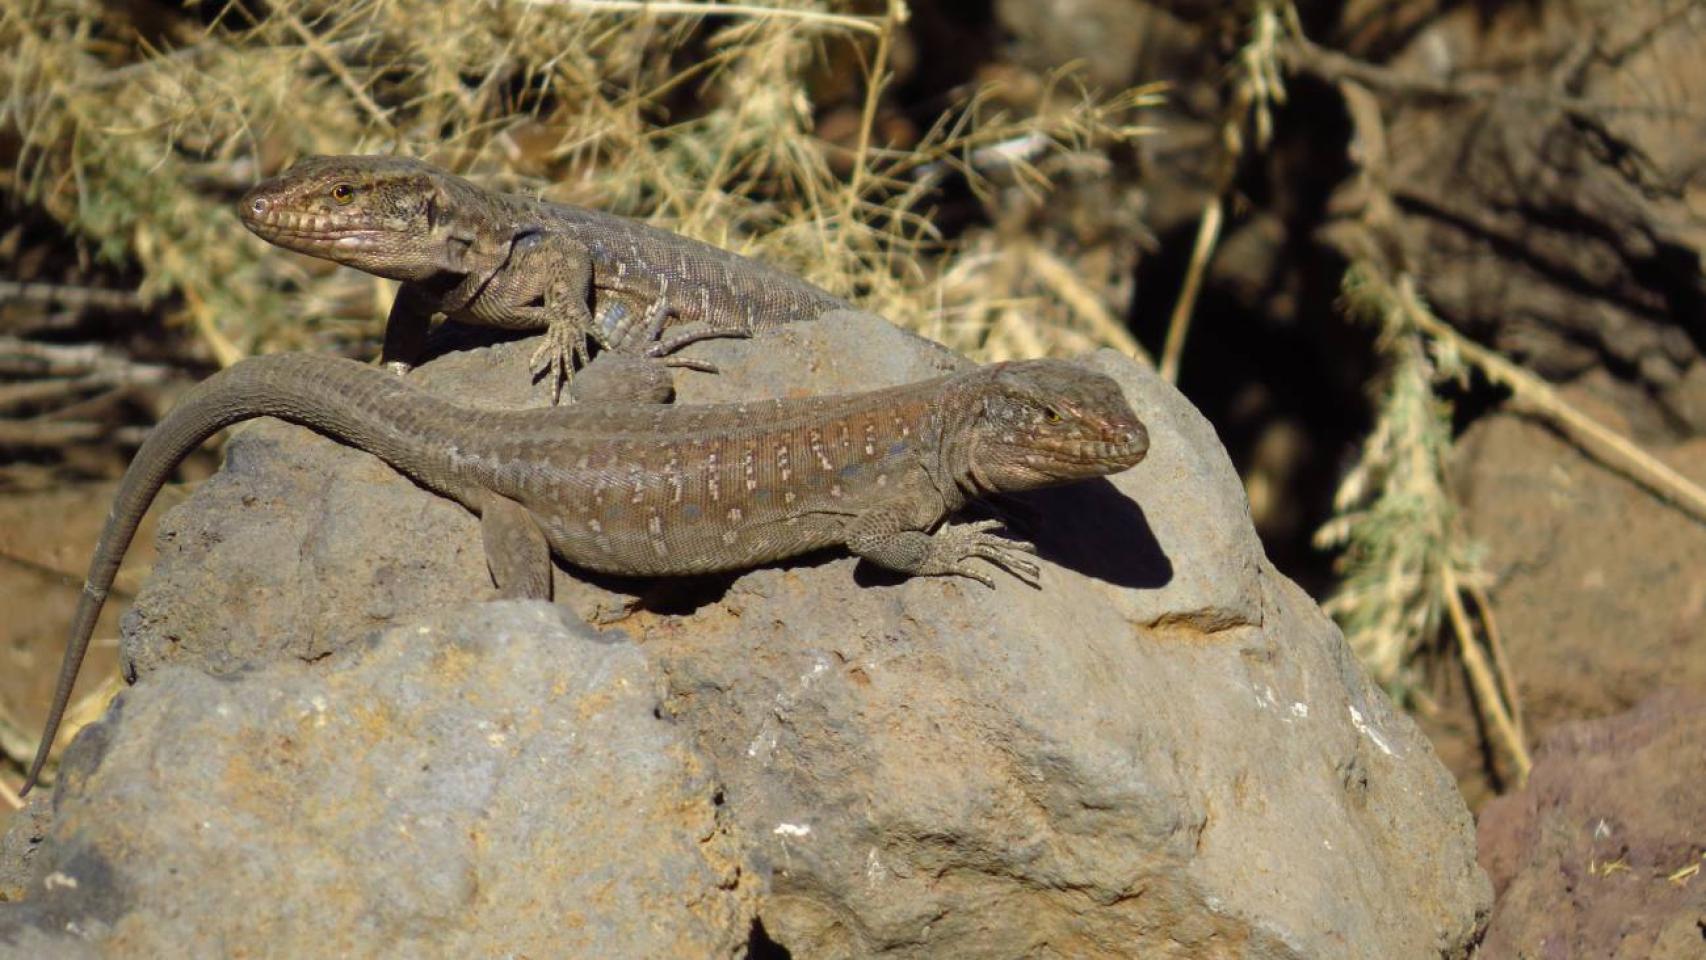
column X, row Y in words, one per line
column 1601, row 854
column 489, row 781
column 1599, row 586
column 1167, row 751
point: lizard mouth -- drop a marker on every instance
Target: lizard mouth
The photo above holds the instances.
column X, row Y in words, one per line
column 302, row 231
column 309, row 233
column 1089, row 457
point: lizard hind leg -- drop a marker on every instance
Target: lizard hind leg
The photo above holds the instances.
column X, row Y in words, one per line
column 643, row 336
column 516, row 552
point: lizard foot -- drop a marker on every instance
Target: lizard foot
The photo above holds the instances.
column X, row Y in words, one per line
column 565, row 349
column 963, row 543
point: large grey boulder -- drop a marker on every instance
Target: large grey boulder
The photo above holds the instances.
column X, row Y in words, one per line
column 488, row 781
column 1166, row 751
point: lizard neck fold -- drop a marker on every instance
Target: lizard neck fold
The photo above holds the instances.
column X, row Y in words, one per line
column 955, row 471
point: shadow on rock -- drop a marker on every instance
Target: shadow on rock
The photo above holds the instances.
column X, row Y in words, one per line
column 1094, row 529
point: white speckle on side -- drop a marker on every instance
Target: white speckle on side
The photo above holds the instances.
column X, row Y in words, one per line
column 788, row 497
column 65, row 881
column 496, row 740
column 729, row 537
column 1368, row 731
column 796, row 830
column 835, row 490
column 1300, row 710
column 873, row 867
column 735, row 514
column 660, row 546
column 882, row 479
column 595, row 526
column 786, row 473
column 654, row 523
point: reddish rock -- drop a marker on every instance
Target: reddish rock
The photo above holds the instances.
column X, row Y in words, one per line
column 1602, row 854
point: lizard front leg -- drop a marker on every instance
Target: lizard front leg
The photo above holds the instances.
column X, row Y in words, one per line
column 546, row 283
column 881, row 537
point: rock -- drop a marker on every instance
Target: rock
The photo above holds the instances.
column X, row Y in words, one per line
column 1578, row 556
column 489, row 781
column 1166, row 751
column 1594, row 857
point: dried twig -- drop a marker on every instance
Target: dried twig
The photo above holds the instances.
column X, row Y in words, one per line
column 1533, row 395
column 872, row 25
column 70, row 296
column 1179, row 324
column 20, row 358
column 1489, row 688
column 1257, row 85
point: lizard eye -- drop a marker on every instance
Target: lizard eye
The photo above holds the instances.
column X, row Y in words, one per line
column 1051, row 415
column 343, row 193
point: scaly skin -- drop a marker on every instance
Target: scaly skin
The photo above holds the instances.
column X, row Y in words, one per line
column 519, row 263
column 658, row 490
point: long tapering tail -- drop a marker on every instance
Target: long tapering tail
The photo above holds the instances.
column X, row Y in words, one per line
column 362, row 406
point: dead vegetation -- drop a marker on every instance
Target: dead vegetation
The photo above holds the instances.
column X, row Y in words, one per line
column 138, row 136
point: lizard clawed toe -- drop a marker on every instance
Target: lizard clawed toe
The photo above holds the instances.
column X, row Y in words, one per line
column 563, row 351
column 977, row 540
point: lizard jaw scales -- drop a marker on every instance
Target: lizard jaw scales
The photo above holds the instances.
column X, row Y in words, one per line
column 1123, row 454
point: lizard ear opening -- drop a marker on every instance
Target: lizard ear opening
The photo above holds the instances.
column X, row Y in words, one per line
column 432, row 209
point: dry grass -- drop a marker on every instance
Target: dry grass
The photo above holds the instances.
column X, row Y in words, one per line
column 1406, row 566
column 137, row 127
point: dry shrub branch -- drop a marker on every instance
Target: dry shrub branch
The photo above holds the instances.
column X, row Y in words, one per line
column 1405, row 562
column 697, row 117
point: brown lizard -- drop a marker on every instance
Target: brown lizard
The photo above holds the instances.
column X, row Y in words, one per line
column 654, row 489
column 519, row 263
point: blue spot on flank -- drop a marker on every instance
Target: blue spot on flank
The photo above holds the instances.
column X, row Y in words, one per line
column 897, row 448
column 850, row 471
column 761, row 495
column 690, row 511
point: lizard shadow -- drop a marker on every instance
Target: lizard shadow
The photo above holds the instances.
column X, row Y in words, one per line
column 683, row 595
column 451, row 336
column 1093, row 528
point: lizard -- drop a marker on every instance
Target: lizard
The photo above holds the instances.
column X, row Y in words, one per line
column 657, row 490
column 582, row 276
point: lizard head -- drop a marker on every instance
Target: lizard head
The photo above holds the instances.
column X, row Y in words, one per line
column 1046, row 422
column 377, row 214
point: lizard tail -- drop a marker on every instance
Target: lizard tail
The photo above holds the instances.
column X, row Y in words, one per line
column 365, row 407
